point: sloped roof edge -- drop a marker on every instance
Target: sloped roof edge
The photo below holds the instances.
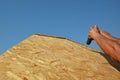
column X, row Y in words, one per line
column 51, row 36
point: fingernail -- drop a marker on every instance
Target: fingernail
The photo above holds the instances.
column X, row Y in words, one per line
column 95, row 25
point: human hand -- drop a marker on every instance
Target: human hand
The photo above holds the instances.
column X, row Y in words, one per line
column 93, row 31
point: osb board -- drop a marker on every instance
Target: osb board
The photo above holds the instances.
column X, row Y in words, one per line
column 53, row 58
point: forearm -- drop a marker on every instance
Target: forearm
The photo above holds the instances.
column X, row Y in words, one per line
column 113, row 38
column 108, row 46
column 117, row 40
column 109, row 36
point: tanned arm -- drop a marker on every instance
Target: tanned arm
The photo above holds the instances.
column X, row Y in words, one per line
column 109, row 36
column 108, row 46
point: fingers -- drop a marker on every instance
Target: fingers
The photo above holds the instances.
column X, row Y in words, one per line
column 93, row 30
column 95, row 26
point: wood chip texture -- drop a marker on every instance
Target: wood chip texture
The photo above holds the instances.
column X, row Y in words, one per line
column 42, row 57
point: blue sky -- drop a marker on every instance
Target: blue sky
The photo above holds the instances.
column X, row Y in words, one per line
column 72, row 19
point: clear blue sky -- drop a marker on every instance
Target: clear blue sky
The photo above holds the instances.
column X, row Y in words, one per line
column 72, row 19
